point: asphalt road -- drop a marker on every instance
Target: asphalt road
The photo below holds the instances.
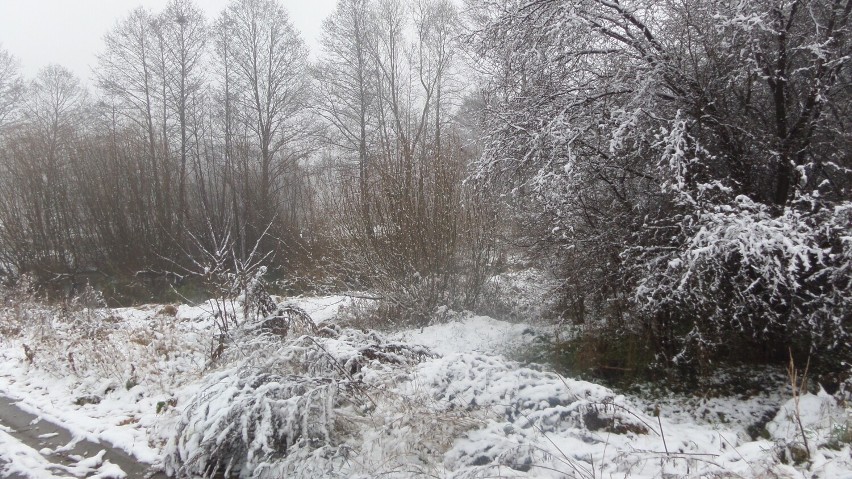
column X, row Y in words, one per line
column 39, row 433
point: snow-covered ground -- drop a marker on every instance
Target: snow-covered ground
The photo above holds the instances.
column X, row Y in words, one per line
column 349, row 403
column 469, row 334
column 24, row 461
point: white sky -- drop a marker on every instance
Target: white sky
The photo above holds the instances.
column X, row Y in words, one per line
column 70, row 32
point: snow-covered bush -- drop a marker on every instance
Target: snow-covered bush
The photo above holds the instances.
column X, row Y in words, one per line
column 21, row 308
column 245, row 420
column 285, row 399
column 687, row 202
column 741, row 269
column 256, row 301
column 352, row 404
column 100, row 349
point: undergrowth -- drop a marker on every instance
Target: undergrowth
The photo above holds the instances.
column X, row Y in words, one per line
column 83, row 338
column 281, row 399
column 287, row 398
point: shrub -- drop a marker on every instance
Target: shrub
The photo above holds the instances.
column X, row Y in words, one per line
column 282, row 399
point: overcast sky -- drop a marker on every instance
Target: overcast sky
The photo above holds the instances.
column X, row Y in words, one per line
column 70, row 32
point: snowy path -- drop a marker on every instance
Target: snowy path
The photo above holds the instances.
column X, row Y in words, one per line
column 33, row 447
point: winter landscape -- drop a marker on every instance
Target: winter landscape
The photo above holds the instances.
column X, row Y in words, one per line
column 443, row 239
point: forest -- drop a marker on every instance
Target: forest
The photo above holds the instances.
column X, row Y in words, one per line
column 672, row 179
column 220, row 136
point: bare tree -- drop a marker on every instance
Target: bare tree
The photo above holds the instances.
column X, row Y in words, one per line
column 269, row 85
column 126, row 73
column 224, row 96
column 347, row 85
column 406, row 220
column 182, row 29
column 11, row 88
column 437, row 26
column 54, row 105
column 39, row 214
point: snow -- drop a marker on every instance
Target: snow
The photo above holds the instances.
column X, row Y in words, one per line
column 26, row 461
column 23, row 459
column 440, row 401
column 473, row 333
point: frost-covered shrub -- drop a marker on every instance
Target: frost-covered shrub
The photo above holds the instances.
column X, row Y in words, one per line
column 244, row 420
column 685, row 202
column 87, row 312
column 740, row 268
column 86, row 342
column 403, row 413
column 286, row 400
column 21, row 308
column 256, row 301
column 78, row 336
column 526, row 410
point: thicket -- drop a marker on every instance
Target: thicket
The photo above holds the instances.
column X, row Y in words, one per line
column 689, row 164
column 345, row 173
